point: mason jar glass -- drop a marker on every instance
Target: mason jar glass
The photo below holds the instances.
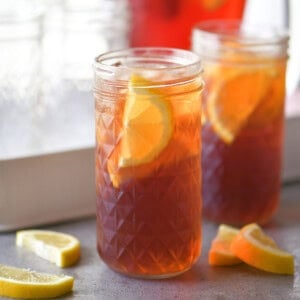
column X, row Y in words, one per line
column 243, row 118
column 148, row 170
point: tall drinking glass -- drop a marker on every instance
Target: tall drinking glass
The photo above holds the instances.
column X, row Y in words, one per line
column 243, row 117
column 148, row 169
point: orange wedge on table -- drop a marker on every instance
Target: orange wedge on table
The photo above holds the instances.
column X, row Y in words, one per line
column 147, row 129
column 220, row 253
column 255, row 248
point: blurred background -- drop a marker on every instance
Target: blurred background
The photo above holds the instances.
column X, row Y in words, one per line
column 47, row 49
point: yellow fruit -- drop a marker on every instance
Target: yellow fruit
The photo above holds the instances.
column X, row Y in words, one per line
column 220, row 253
column 233, row 99
column 59, row 248
column 27, row 284
column 147, row 127
column 257, row 249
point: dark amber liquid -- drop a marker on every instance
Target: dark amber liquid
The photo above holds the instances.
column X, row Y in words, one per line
column 241, row 181
column 150, row 226
column 241, row 178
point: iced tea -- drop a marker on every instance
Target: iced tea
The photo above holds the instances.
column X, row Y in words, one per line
column 148, row 168
column 243, row 120
column 169, row 23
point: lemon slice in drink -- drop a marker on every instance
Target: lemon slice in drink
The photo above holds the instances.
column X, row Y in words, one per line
column 257, row 249
column 147, row 127
column 220, row 253
column 233, row 99
column 59, row 248
column 27, row 284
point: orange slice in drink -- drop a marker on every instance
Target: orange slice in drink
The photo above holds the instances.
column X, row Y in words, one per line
column 233, row 98
column 220, row 253
column 257, row 249
column 147, row 128
column 272, row 105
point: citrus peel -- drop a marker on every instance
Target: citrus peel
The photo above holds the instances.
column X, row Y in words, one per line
column 28, row 284
column 257, row 249
column 59, row 248
column 147, row 128
column 220, row 253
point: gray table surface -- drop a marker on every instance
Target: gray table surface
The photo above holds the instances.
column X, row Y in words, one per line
column 94, row 280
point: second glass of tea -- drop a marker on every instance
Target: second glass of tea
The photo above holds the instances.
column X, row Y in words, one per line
column 148, row 168
column 243, row 116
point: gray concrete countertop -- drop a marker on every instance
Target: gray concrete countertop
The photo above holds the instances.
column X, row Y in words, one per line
column 93, row 280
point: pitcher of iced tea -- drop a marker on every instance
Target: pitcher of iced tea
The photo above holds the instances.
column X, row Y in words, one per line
column 243, row 117
column 148, row 169
column 169, row 23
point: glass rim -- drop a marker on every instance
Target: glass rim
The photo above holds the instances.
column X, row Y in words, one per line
column 265, row 34
column 188, row 58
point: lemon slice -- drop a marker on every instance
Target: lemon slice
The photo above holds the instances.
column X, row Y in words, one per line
column 59, row 248
column 147, row 127
column 233, row 99
column 220, row 253
column 257, row 249
column 27, row 284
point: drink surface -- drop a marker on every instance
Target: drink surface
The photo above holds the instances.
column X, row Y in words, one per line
column 148, row 202
column 169, row 22
column 242, row 138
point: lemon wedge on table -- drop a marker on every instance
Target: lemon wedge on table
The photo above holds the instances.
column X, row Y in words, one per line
column 257, row 249
column 27, row 284
column 147, row 128
column 220, row 253
column 59, row 248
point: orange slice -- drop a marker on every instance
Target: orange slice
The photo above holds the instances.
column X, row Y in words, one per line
column 147, row 127
column 220, row 253
column 257, row 249
column 231, row 102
